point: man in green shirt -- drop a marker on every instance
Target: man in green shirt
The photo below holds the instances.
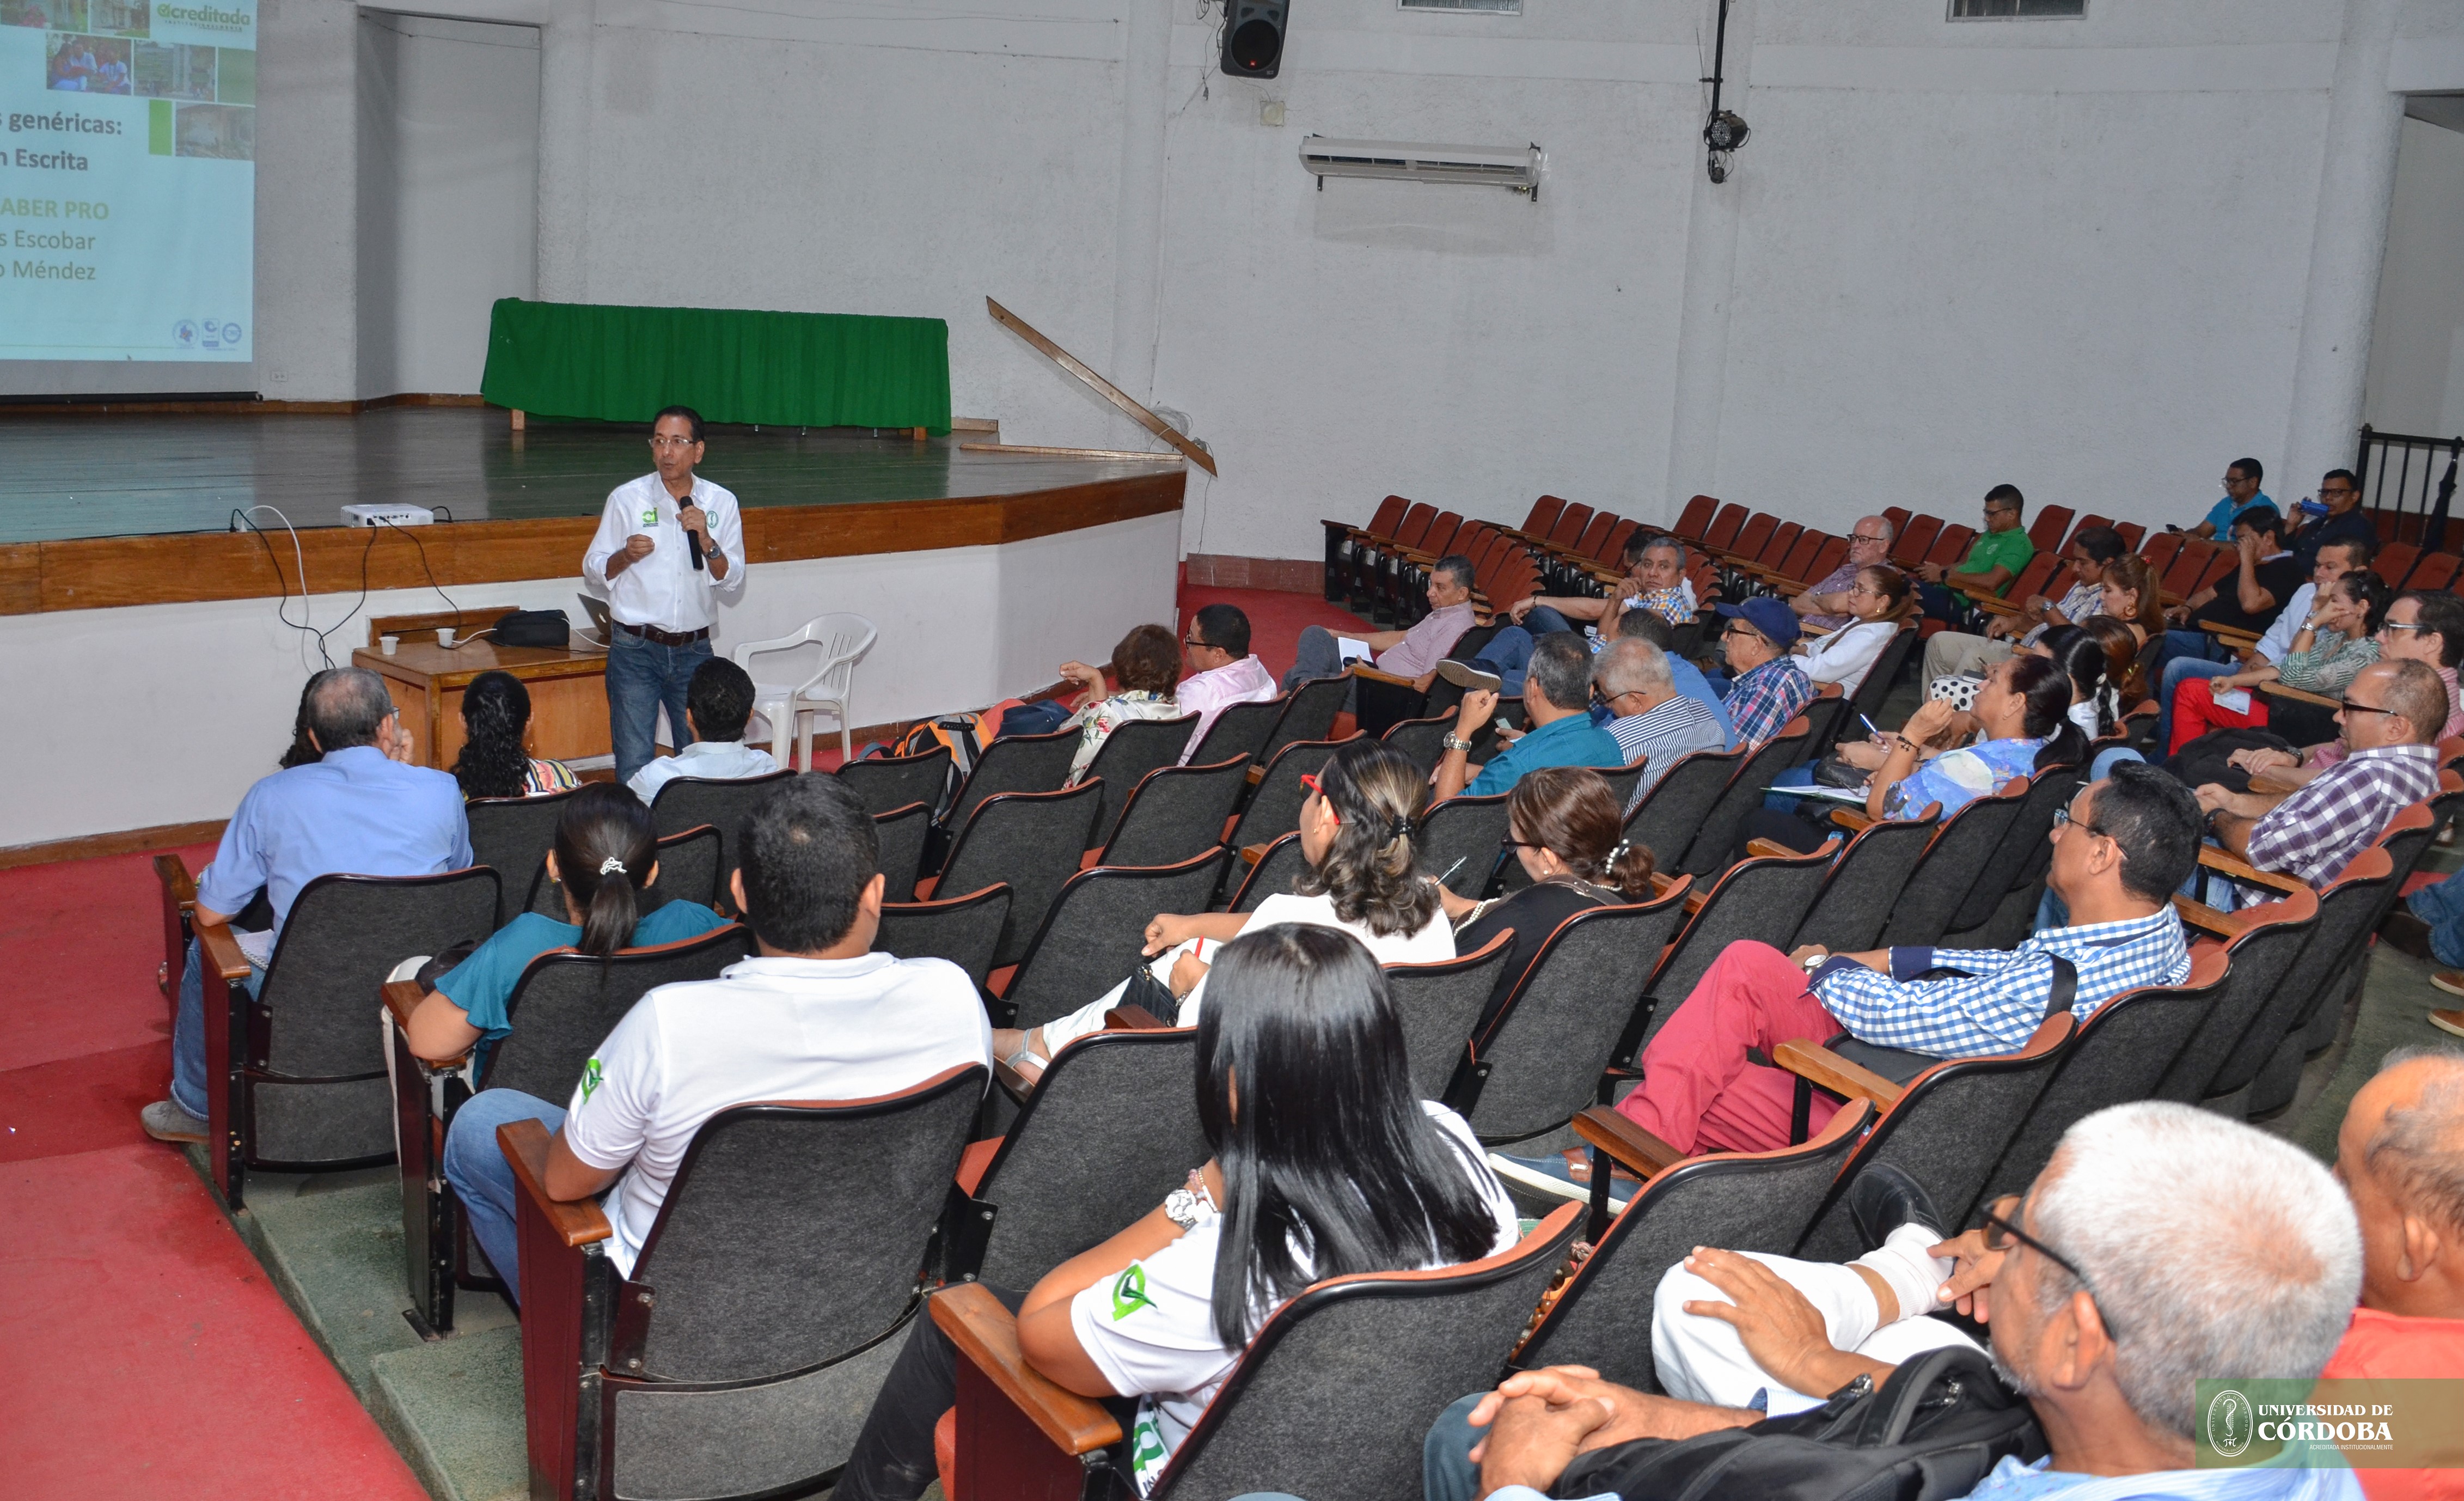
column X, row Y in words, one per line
column 1992, row 562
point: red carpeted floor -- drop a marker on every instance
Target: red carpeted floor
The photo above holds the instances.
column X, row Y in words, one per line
column 148, row 1356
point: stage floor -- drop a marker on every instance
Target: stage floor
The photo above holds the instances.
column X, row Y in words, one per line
column 144, row 475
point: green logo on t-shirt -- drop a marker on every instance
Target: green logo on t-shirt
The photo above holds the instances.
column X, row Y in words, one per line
column 1129, row 1292
column 650, row 516
column 590, row 1077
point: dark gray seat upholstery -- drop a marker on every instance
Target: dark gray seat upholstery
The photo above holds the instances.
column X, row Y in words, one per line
column 1177, row 812
column 963, row 929
column 689, row 802
column 1760, row 1202
column 1015, row 763
column 1753, row 898
column 1272, row 875
column 1031, row 840
column 689, row 870
column 768, row 1301
column 2265, row 958
column 513, row 836
column 1240, row 730
column 1824, row 715
column 1715, row 842
column 1091, row 937
column 893, row 782
column 902, row 833
column 561, row 1009
column 1544, row 1054
column 1274, row 806
column 2266, row 1064
column 1665, row 820
column 2000, row 909
column 1461, row 842
column 1954, row 861
column 1336, row 1390
column 1439, row 1004
column 1111, row 1129
column 1856, row 896
column 1888, row 663
column 297, row 1080
column 1309, row 715
column 1420, row 739
column 1378, row 705
column 1135, row 748
column 2119, row 1056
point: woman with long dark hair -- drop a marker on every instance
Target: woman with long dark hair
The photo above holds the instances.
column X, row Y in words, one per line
column 2095, row 707
column 1357, row 825
column 1326, row 1164
column 1567, row 832
column 604, row 863
column 495, row 762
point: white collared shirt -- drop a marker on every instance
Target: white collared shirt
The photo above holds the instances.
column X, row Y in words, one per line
column 707, row 761
column 662, row 590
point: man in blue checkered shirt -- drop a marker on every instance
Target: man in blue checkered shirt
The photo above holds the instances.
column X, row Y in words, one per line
column 2120, row 850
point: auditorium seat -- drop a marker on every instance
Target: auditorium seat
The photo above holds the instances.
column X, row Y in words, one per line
column 1272, row 869
column 1343, row 539
column 1421, row 740
column 1091, row 935
column 1952, row 862
column 902, row 833
column 1915, row 541
column 1294, row 1415
column 1439, row 1004
column 1950, row 544
column 2000, row 908
column 691, row 802
column 2264, row 944
column 1309, row 715
column 1030, row 840
column 1729, row 519
column 1239, row 730
column 1694, row 523
column 1176, row 813
column 2395, row 562
column 1134, row 748
column 561, row 1009
column 1664, row 822
column 2437, row 570
column 1854, row 902
column 688, row 862
column 893, row 782
column 2051, row 525
column 784, row 1261
column 1761, row 897
column 1274, row 806
column 1012, row 764
column 964, row 929
column 1461, row 840
column 512, row 836
column 1715, row 837
column 1570, row 524
column 1542, row 516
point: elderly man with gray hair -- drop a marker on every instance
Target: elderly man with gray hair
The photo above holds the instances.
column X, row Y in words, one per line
column 2161, row 1244
column 362, row 807
column 1653, row 722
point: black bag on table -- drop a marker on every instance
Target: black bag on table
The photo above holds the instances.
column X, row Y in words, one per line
column 1937, row 1426
column 532, row 628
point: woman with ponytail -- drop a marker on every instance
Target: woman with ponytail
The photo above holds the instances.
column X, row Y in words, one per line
column 1567, row 832
column 604, row 863
column 1357, row 828
column 495, row 762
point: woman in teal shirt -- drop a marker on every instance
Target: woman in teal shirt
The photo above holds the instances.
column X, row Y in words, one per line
column 605, row 856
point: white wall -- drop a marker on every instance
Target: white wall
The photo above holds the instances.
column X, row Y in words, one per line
column 2417, row 352
column 201, row 697
column 448, row 187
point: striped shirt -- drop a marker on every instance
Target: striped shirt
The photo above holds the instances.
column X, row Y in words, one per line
column 1999, row 998
column 1665, row 734
column 1761, row 702
column 2314, row 834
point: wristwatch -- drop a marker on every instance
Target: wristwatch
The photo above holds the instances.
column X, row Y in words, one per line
column 1184, row 1207
column 1453, row 742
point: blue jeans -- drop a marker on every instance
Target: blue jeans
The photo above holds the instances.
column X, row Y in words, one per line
column 1510, row 652
column 640, row 676
column 2442, row 907
column 189, row 1082
column 1446, row 1471
column 2106, row 760
column 484, row 1180
column 1793, row 777
column 2177, row 671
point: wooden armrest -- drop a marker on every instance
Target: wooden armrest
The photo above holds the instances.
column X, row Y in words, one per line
column 1133, row 1019
column 1257, row 774
column 177, row 884
column 1851, row 818
column 222, row 951
column 2237, row 639
column 2223, row 863
column 1409, row 554
column 2276, row 778
column 2207, row 920
column 1694, row 899
column 2278, row 690
column 1251, row 854
column 524, row 1143
column 401, row 997
column 1991, row 604
column 987, row 1333
column 1630, row 1147
column 1660, row 881
column 1768, row 848
column 1827, row 1070
column 1373, row 674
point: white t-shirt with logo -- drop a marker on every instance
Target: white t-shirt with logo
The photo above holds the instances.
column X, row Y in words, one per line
column 1151, row 1327
column 766, row 1030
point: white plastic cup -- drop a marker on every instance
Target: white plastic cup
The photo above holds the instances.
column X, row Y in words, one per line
column 445, row 636
column 387, row 644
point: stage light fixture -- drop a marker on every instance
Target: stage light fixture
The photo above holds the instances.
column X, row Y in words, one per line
column 1253, row 37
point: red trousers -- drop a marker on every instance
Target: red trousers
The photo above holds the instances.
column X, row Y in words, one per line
column 1699, row 1091
column 2197, row 711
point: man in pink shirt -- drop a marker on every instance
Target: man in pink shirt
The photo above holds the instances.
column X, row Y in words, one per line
column 1413, row 654
column 1222, row 671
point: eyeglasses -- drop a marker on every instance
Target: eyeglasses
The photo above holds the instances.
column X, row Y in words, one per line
column 2349, row 707
column 2402, row 625
column 2064, row 817
column 2001, row 1234
column 674, row 443
column 1308, row 780
column 1859, row 537
column 1194, row 644
column 2340, row 490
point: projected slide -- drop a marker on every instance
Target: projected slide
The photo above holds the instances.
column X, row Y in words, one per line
column 127, row 179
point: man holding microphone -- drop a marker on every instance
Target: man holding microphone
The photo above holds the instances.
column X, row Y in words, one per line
column 667, row 543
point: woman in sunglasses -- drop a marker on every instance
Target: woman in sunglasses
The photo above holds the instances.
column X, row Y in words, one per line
column 1357, row 825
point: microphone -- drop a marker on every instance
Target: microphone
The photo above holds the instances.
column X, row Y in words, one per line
column 693, row 538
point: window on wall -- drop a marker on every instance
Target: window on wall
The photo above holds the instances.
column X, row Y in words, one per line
column 1488, row 6
column 2016, row 9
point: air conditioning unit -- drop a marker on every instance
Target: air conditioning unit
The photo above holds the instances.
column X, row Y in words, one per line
column 1492, row 166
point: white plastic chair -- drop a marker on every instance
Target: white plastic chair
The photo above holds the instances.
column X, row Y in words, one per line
column 843, row 639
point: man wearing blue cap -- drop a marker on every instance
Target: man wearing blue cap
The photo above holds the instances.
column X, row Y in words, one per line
column 1766, row 689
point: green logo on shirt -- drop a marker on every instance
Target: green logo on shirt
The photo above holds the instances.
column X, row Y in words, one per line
column 650, row 516
column 590, row 1077
column 1129, row 1292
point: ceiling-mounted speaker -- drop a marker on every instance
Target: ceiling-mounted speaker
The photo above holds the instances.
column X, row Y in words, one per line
column 1253, row 36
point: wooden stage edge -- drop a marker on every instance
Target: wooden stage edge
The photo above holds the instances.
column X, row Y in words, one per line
column 107, row 572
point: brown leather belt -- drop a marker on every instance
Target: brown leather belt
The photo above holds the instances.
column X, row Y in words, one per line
column 665, row 638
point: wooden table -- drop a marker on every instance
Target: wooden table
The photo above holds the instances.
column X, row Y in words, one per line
column 568, row 690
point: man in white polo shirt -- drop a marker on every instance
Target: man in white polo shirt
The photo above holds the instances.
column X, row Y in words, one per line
column 816, row 1015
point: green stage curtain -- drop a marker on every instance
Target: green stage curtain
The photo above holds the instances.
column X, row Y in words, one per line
column 790, row 370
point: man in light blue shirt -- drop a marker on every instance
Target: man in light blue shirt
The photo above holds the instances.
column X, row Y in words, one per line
column 2241, row 493
column 718, row 703
column 360, row 809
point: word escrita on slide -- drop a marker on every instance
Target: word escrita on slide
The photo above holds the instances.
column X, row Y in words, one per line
column 57, row 160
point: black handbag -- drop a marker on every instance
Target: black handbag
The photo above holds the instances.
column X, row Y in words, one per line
column 533, row 627
column 1151, row 995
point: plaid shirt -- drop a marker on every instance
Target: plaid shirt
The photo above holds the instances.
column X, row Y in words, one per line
column 2315, row 832
column 2083, row 601
column 1761, row 702
column 2000, row 1000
